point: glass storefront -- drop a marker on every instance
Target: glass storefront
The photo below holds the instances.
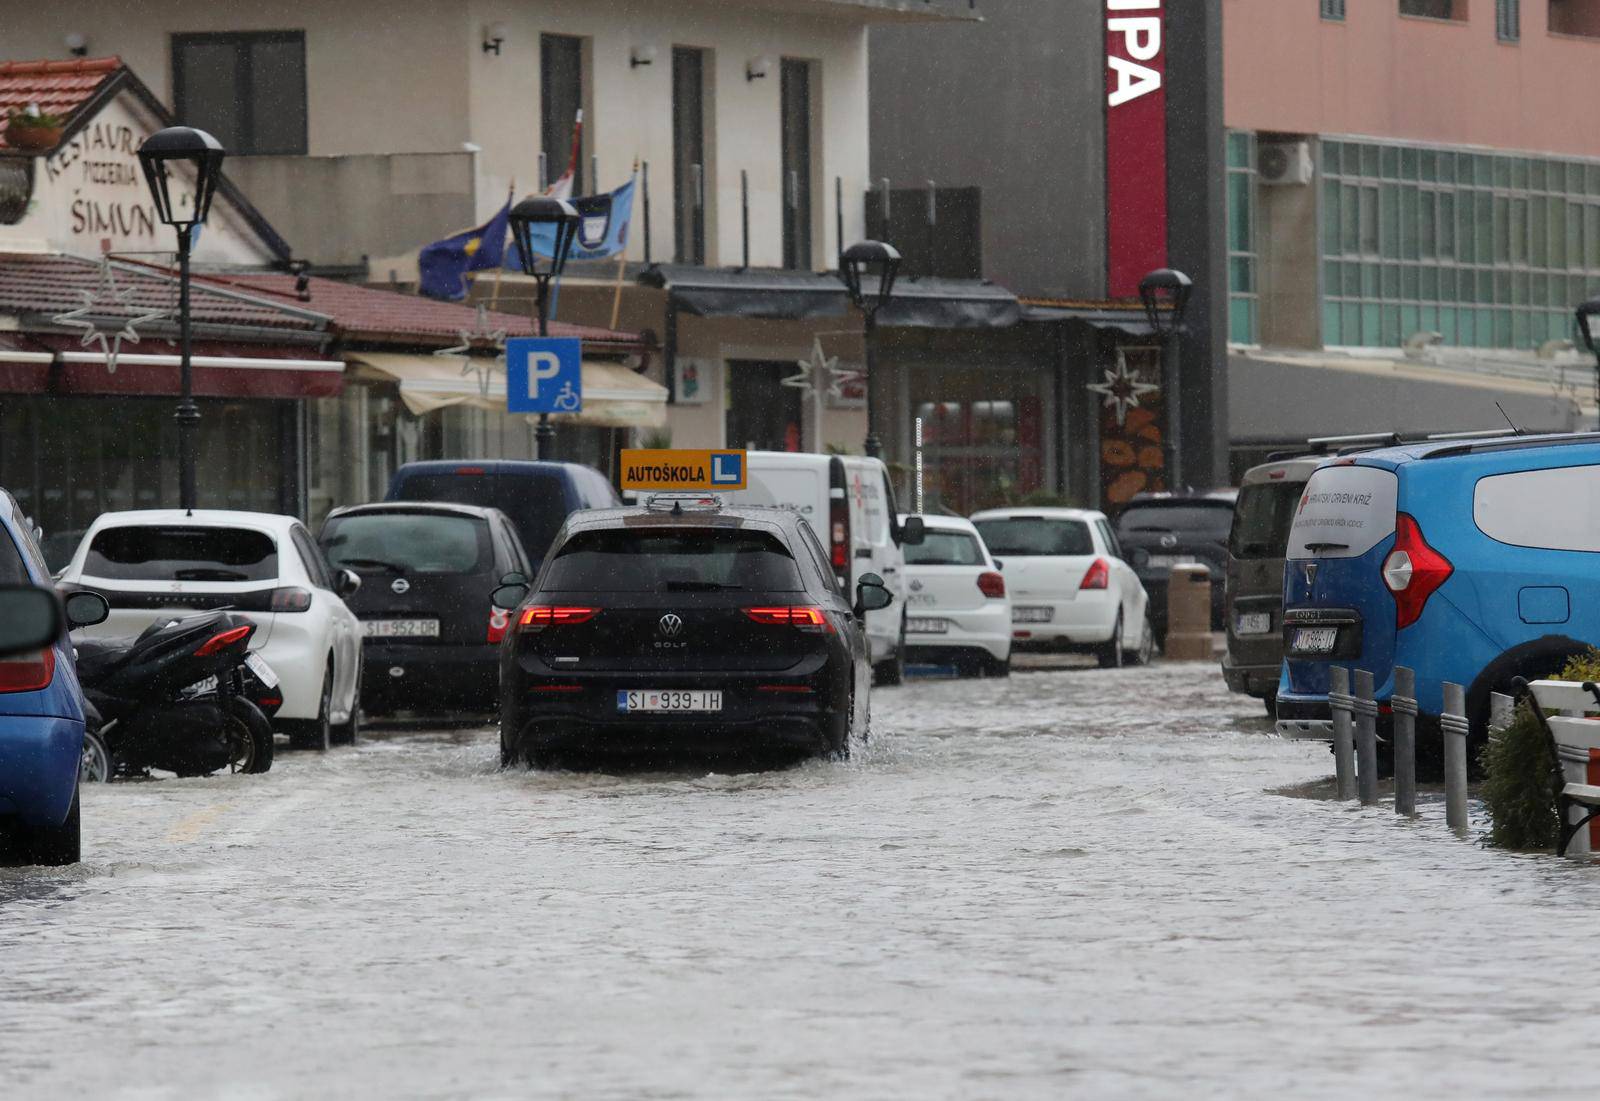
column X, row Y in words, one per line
column 983, row 434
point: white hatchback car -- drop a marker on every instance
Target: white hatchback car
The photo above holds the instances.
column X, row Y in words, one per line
column 164, row 563
column 957, row 610
column 1070, row 588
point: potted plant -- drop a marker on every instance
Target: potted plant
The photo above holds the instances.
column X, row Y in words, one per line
column 32, row 129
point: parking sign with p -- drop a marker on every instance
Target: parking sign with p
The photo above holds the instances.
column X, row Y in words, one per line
column 544, row 375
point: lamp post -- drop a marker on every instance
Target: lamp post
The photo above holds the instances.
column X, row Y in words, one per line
column 1587, row 313
column 194, row 153
column 553, row 224
column 1165, row 294
column 868, row 269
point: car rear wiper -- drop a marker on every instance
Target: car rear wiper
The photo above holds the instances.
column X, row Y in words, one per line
column 373, row 564
column 1317, row 548
column 203, row 573
column 1149, row 529
column 700, row 587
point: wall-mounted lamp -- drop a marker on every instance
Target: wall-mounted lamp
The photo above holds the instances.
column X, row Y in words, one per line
column 77, row 44
column 494, row 36
column 641, row 55
column 757, row 68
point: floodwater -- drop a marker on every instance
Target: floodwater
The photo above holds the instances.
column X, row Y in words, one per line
column 1078, row 883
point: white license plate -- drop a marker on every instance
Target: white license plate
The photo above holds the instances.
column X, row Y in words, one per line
column 1254, row 623
column 400, row 628
column 258, row 665
column 1032, row 615
column 925, row 626
column 1167, row 561
column 1314, row 640
column 669, row 699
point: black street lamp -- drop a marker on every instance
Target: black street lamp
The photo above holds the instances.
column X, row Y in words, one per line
column 1165, row 294
column 868, row 269
column 528, row 217
column 1587, row 313
column 196, row 157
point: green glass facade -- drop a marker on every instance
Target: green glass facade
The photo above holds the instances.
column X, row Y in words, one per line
column 1243, row 299
column 1491, row 250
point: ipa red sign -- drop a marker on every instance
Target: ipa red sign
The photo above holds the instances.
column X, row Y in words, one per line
column 1136, row 143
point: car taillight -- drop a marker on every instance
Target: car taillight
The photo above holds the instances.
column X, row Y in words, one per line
column 1413, row 571
column 499, row 621
column 28, row 673
column 290, row 600
column 992, row 585
column 805, row 617
column 218, row 643
column 1098, row 577
column 541, row 616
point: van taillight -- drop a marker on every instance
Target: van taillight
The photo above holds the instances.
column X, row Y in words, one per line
column 992, row 585
column 28, row 673
column 499, row 621
column 839, row 534
column 542, row 616
column 1098, row 577
column 1413, row 571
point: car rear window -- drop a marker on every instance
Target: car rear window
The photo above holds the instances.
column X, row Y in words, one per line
column 536, row 504
column 1261, row 519
column 182, row 553
column 677, row 561
column 1207, row 521
column 1035, row 536
column 408, row 542
column 945, row 548
column 1343, row 512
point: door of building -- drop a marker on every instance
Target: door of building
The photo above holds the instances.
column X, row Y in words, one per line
column 762, row 413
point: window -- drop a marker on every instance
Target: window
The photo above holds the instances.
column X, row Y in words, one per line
column 561, row 98
column 407, row 542
column 945, row 548
column 12, row 571
column 1262, row 517
column 149, row 553
column 1508, row 20
column 679, row 561
column 1580, row 17
column 1035, row 537
column 1346, row 511
column 1435, row 9
column 1333, row 9
column 311, row 558
column 689, row 154
column 796, row 119
column 1243, row 295
column 1547, row 509
column 248, row 90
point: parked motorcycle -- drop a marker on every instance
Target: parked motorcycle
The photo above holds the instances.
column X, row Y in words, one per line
column 177, row 698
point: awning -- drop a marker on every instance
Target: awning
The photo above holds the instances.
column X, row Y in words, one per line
column 763, row 293
column 928, row 303
column 220, row 371
column 613, row 396
column 1130, row 322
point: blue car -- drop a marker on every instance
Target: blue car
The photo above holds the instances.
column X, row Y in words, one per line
column 41, row 719
column 1469, row 561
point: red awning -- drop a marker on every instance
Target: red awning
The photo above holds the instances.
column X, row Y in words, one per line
column 152, row 370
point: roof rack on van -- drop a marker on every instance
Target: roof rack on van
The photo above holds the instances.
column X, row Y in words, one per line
column 1369, row 441
column 1515, row 443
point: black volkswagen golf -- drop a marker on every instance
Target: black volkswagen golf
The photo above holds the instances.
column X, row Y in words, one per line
column 683, row 628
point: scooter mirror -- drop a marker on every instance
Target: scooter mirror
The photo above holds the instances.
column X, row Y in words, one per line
column 85, row 609
column 30, row 618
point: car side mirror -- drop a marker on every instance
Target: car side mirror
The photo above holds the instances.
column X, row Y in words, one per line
column 30, row 618
column 511, row 594
column 871, row 594
column 346, row 582
column 913, row 532
column 85, row 609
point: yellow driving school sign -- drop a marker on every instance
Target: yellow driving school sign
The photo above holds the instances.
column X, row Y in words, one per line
column 675, row 469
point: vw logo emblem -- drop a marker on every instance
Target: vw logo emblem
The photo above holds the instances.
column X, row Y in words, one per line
column 1169, row 540
column 671, row 625
column 401, row 585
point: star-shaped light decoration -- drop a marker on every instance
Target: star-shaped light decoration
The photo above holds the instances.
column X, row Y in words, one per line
column 821, row 373
column 1122, row 388
column 482, row 349
column 107, row 298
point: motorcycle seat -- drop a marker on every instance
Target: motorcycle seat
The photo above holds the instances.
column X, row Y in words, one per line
column 99, row 656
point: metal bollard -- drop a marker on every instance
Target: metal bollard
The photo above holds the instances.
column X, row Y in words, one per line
column 1453, row 728
column 1366, row 709
column 1344, row 754
column 1404, row 704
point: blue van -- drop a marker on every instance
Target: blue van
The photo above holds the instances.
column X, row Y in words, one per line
column 1470, row 561
column 536, row 496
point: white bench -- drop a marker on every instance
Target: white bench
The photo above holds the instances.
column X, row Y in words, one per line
column 1562, row 708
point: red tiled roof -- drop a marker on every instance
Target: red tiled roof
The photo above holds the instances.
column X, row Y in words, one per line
column 42, row 286
column 57, row 87
column 372, row 315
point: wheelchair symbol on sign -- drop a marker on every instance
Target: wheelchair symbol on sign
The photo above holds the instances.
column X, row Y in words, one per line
column 566, row 399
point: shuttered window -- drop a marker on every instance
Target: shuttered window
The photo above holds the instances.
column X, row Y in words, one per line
column 1508, row 20
column 1333, row 9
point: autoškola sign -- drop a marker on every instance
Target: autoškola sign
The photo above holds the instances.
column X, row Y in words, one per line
column 1136, row 143
column 671, row 469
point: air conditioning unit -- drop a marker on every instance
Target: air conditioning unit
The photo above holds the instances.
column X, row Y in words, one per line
column 1285, row 162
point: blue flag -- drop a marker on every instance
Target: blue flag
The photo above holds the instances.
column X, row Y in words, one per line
column 444, row 264
column 602, row 229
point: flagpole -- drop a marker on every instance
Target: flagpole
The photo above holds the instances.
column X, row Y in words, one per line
column 622, row 264
column 494, row 298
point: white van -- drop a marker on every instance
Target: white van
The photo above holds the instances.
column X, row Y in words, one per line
column 850, row 504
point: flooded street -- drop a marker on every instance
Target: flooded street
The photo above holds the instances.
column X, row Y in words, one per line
column 1074, row 883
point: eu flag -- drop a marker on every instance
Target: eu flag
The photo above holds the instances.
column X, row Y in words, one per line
column 444, row 264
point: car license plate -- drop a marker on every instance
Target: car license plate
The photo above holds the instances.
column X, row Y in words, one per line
column 1032, row 615
column 1168, row 561
column 264, row 673
column 922, row 625
column 1314, row 640
column 669, row 699
column 1254, row 623
column 400, row 628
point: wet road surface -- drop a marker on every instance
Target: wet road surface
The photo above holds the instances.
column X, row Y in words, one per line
column 1078, row 883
